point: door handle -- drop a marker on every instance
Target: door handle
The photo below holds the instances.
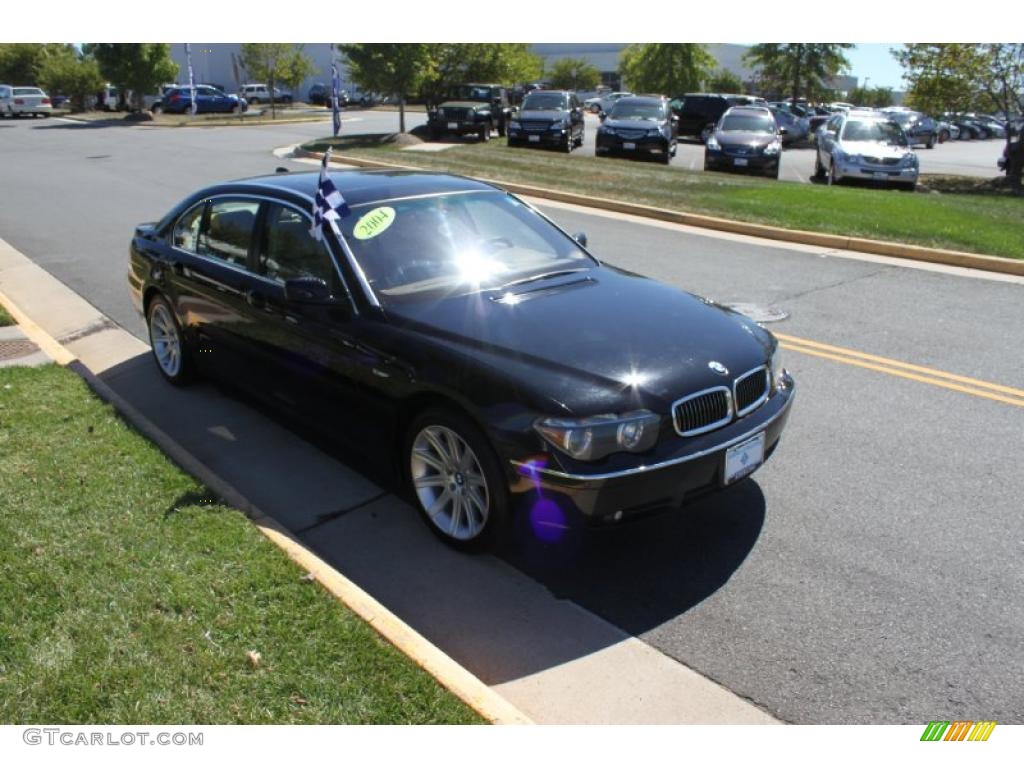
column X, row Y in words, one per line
column 255, row 299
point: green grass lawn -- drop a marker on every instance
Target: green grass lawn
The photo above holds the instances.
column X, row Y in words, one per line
column 986, row 224
column 127, row 597
column 5, row 318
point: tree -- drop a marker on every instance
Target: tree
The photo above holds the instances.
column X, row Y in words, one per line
column 69, row 72
column 941, row 76
column 455, row 63
column 20, row 62
column 265, row 62
column 573, row 75
column 296, row 68
column 666, row 68
column 879, row 97
column 393, row 69
column 801, row 69
column 724, row 81
column 956, row 77
column 138, row 68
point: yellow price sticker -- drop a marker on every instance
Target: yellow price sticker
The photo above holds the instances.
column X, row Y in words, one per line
column 373, row 223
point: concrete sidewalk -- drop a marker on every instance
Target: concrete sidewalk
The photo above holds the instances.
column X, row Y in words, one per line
column 550, row 658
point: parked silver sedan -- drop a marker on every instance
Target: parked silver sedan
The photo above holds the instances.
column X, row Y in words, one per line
column 866, row 146
column 24, row 100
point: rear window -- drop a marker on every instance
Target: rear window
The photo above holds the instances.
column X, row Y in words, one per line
column 28, row 92
column 704, row 104
column 637, row 110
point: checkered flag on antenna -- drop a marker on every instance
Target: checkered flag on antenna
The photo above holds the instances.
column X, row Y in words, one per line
column 328, row 205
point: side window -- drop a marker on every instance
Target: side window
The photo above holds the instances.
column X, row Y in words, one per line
column 228, row 231
column 186, row 230
column 287, row 249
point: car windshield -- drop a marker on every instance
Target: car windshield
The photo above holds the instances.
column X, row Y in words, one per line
column 637, row 110
column 748, row 123
column 471, row 93
column 873, row 130
column 455, row 244
column 903, row 118
column 543, row 102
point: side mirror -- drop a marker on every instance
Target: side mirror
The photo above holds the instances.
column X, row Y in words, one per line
column 581, row 238
column 307, row 290
column 783, row 131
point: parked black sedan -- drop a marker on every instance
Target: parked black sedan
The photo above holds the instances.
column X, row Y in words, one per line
column 638, row 126
column 453, row 328
column 745, row 139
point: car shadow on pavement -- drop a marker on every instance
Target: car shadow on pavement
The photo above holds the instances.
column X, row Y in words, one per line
column 641, row 574
column 504, row 617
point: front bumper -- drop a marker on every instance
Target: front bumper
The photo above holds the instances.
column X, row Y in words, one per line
column 548, row 137
column 722, row 160
column 614, row 144
column 441, row 127
column 666, row 482
column 891, row 174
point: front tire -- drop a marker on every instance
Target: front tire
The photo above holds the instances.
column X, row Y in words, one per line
column 455, row 479
column 173, row 358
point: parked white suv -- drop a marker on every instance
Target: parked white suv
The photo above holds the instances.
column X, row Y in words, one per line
column 865, row 145
column 255, row 93
column 24, row 100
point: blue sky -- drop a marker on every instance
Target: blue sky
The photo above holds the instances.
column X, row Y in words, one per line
column 874, row 61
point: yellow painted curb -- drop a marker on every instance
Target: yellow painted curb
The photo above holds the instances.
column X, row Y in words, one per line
column 838, row 242
column 39, row 337
column 461, row 682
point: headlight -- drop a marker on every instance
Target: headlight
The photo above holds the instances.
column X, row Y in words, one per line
column 776, row 367
column 654, row 131
column 909, row 160
column 514, row 125
column 606, row 130
column 595, row 437
column 773, row 149
column 558, row 125
column 713, row 144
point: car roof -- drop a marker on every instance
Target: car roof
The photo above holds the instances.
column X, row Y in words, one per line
column 627, row 100
column 358, row 187
column 547, row 90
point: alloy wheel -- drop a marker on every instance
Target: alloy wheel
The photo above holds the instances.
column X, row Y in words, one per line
column 166, row 340
column 449, row 482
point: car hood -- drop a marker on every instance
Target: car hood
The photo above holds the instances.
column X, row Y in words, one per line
column 874, row 149
column 464, row 104
column 542, row 114
column 595, row 341
column 751, row 139
column 632, row 125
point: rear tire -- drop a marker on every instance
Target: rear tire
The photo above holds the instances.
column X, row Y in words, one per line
column 170, row 350
column 931, row 142
column 455, row 480
column 819, row 169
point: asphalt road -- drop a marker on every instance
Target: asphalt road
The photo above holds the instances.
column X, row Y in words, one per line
column 870, row 573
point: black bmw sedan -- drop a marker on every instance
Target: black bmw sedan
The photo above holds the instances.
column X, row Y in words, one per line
column 454, row 329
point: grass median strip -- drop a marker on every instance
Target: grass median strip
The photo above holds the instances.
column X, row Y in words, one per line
column 129, row 595
column 983, row 224
column 5, row 318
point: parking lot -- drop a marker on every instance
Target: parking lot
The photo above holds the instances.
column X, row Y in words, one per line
column 869, row 573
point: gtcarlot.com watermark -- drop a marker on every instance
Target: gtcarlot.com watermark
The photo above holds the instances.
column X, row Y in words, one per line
column 79, row 737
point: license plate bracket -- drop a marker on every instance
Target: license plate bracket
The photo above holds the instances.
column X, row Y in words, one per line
column 744, row 458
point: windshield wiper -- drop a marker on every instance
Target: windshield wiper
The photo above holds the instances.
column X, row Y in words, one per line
column 541, row 276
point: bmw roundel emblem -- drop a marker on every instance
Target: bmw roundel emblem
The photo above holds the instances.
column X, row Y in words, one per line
column 717, row 367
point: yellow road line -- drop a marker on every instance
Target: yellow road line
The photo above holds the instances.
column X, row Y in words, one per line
column 1019, row 402
column 899, row 364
